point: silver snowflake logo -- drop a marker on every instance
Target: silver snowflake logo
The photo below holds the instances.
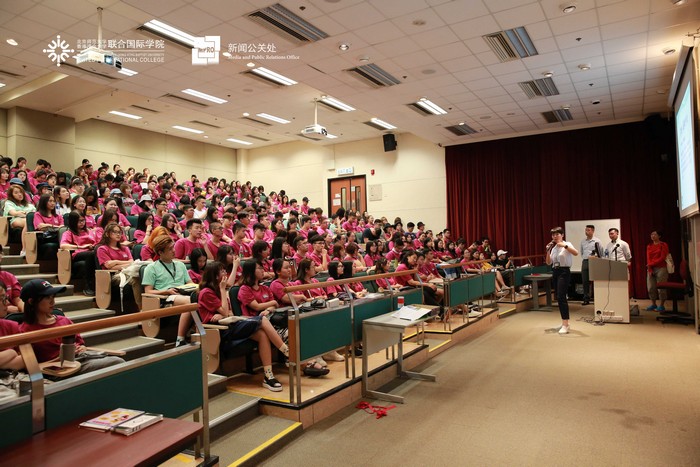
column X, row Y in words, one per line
column 58, row 50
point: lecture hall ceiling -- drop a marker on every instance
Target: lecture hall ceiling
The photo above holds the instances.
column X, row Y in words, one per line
column 606, row 58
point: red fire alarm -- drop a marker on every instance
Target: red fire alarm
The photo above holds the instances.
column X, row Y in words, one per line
column 372, row 171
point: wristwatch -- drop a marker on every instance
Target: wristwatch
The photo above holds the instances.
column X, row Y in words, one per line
column 566, row 247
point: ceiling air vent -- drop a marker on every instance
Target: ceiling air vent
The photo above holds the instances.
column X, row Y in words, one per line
column 461, row 130
column 419, row 109
column 259, row 122
column 511, row 44
column 258, row 138
column 373, row 75
column 559, row 115
column 146, row 109
column 209, row 125
column 283, row 22
column 183, row 100
column 539, row 88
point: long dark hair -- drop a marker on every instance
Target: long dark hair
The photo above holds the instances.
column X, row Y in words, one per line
column 141, row 222
column 210, row 277
column 73, row 219
column 248, row 269
column 43, row 206
column 221, row 255
column 194, row 259
column 303, row 266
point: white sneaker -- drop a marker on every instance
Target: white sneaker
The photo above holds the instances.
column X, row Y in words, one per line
column 474, row 314
column 333, row 357
column 564, row 330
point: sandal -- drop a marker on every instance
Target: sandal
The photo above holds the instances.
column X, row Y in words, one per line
column 315, row 369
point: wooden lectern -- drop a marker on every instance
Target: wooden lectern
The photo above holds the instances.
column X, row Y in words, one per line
column 610, row 288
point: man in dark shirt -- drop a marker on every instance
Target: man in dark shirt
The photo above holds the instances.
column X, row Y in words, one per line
column 374, row 233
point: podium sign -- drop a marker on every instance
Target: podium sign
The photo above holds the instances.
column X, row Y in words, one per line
column 610, row 287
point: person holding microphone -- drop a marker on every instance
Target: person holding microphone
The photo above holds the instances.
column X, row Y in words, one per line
column 560, row 255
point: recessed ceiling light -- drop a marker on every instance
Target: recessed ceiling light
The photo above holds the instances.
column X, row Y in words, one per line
column 246, row 114
column 126, row 115
column 566, row 107
column 272, row 118
column 165, row 30
column 204, row 96
column 678, row 2
column 669, row 51
column 239, row 141
column 191, row 130
column 344, row 47
column 330, row 136
column 2, row 85
column 205, row 136
column 548, row 74
column 382, row 124
column 12, row 42
column 584, row 67
column 335, row 103
column 568, row 8
column 430, row 106
column 250, row 64
column 273, row 76
column 128, row 72
column 227, row 54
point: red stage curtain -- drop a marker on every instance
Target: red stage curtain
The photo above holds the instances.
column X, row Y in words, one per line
column 515, row 190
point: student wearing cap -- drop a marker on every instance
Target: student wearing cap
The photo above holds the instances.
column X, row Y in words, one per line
column 39, row 300
column 145, row 204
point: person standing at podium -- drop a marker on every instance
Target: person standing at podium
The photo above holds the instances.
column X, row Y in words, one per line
column 560, row 255
column 617, row 249
column 590, row 246
column 657, row 251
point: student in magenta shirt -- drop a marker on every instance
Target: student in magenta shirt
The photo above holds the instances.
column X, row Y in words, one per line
column 39, row 300
column 381, row 267
column 255, row 298
column 78, row 203
column 214, row 306
column 184, row 246
column 198, row 260
column 82, row 241
column 283, row 275
column 114, row 256
column 46, row 217
column 305, row 275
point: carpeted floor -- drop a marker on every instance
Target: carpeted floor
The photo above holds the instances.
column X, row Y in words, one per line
column 521, row 394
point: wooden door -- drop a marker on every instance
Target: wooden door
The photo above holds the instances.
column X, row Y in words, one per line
column 349, row 193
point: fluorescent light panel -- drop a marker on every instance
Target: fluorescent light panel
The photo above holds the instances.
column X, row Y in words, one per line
column 431, row 107
column 330, row 136
column 335, row 103
column 2, row 84
column 191, row 130
column 170, row 32
column 272, row 118
column 128, row 72
column 124, row 114
column 273, row 76
column 239, row 141
column 204, row 96
column 382, row 124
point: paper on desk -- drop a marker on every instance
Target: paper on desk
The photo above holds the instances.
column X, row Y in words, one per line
column 410, row 313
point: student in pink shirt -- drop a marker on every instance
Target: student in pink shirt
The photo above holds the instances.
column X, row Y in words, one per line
column 214, row 306
column 240, row 247
column 144, row 227
column 184, row 246
column 353, row 254
column 261, row 254
column 10, row 359
column 304, row 208
column 232, row 263
column 198, row 260
column 46, row 218
column 161, row 208
column 381, row 267
column 113, row 256
column 301, row 246
column 305, row 229
column 319, row 254
column 82, row 241
column 372, row 254
column 305, row 275
column 215, row 240
column 40, row 298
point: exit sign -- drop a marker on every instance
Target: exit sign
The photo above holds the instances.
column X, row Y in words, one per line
column 346, row 171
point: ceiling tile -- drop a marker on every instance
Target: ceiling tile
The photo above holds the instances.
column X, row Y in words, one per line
column 520, row 16
column 455, row 12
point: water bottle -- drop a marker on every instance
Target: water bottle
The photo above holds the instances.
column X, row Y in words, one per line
column 400, row 301
column 606, row 253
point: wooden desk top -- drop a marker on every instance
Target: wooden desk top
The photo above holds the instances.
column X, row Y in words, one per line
column 73, row 446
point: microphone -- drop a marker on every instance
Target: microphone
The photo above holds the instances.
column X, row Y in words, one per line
column 616, row 247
